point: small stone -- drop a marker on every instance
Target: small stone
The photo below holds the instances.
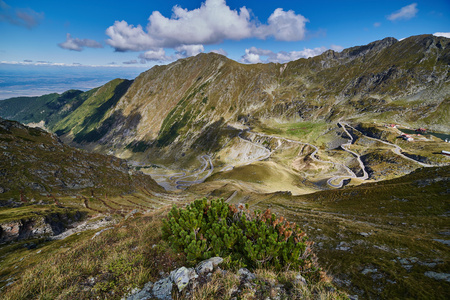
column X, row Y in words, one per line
column 368, row 270
column 182, row 276
column 364, row 234
column 343, row 246
column 208, row 265
column 144, row 294
column 438, row 276
column 246, row 274
column 299, row 280
column 428, row 264
column 445, row 242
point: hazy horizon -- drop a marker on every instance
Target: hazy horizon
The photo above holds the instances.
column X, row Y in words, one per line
column 28, row 81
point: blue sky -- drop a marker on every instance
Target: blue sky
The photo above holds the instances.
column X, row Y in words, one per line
column 139, row 34
column 70, row 32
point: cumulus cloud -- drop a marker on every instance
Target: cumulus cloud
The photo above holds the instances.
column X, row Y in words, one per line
column 405, row 13
column 252, row 56
column 157, row 54
column 25, row 17
column 188, row 50
column 283, row 26
column 256, row 55
column 444, row 34
column 212, row 23
column 77, row 44
column 376, row 24
column 124, row 37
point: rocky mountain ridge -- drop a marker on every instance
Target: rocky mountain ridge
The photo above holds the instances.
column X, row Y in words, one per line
column 172, row 111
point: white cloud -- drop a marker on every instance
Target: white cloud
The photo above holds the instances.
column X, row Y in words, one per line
column 251, row 56
column 283, row 26
column 405, row 13
column 444, row 34
column 255, row 55
column 77, row 44
column 188, row 50
column 25, row 17
column 211, row 23
column 157, row 54
column 376, row 24
column 220, row 51
column 124, row 37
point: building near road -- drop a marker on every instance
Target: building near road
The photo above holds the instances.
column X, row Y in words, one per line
column 407, row 137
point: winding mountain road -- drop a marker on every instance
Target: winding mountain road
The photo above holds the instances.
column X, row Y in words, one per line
column 176, row 178
column 336, row 181
column 397, row 149
column 181, row 183
column 315, row 158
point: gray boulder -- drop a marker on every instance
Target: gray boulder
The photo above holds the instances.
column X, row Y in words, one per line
column 182, row 276
column 144, row 294
column 207, row 266
column 162, row 289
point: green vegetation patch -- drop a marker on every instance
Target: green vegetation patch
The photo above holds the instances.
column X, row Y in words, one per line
column 304, row 131
column 205, row 229
column 84, row 122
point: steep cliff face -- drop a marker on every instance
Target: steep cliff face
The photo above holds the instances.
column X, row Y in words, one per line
column 185, row 107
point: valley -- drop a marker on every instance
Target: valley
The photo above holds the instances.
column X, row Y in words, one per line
column 319, row 141
column 258, row 146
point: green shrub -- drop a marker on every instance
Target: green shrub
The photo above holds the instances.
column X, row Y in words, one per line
column 206, row 229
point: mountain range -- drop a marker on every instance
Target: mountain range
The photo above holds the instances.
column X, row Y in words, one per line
column 179, row 109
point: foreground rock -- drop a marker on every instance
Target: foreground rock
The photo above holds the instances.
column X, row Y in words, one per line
column 207, row 280
column 50, row 225
column 179, row 278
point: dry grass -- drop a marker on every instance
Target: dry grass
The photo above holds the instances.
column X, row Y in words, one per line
column 107, row 266
column 267, row 285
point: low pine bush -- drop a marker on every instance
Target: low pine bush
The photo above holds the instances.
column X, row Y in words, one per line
column 205, row 229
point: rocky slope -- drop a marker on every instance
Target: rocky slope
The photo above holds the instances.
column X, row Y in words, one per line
column 45, row 185
column 35, row 163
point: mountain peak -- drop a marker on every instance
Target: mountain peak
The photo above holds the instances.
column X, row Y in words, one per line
column 374, row 46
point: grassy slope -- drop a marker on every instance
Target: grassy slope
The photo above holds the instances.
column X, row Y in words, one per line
column 127, row 256
column 36, row 162
column 42, row 177
column 402, row 217
column 49, row 108
column 84, row 122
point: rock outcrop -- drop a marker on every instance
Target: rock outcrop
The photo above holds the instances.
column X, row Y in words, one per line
column 44, row 226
